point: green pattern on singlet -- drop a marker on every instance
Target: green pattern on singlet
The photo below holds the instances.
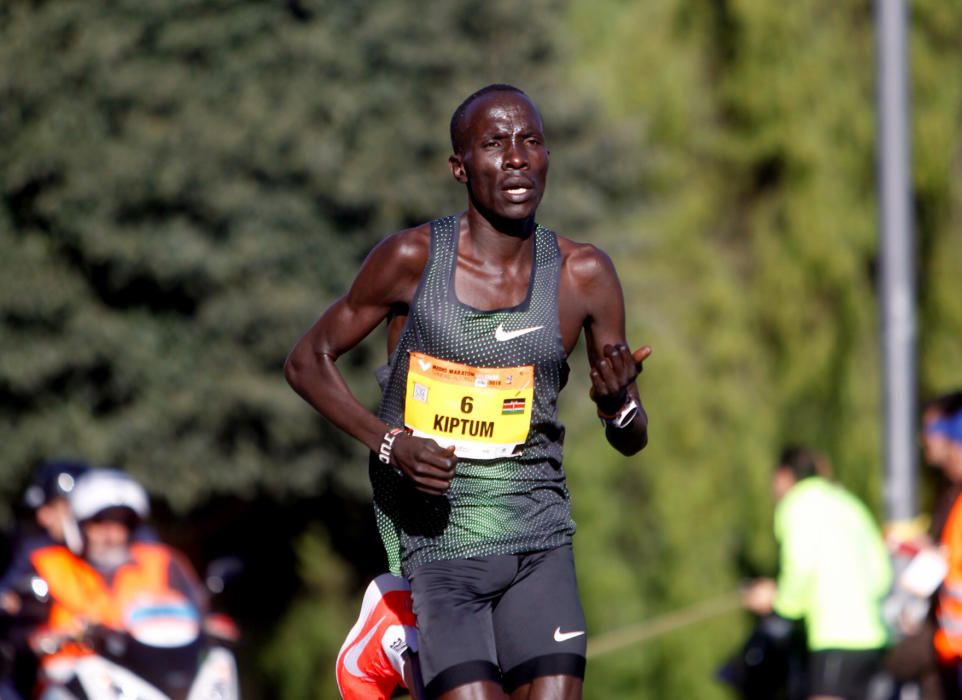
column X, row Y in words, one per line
column 502, row 506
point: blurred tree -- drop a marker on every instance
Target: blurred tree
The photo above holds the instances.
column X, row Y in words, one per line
column 187, row 184
column 299, row 661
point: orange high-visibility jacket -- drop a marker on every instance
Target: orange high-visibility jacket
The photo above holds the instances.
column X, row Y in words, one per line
column 948, row 636
column 80, row 594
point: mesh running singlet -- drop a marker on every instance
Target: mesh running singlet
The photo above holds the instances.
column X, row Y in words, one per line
column 516, row 501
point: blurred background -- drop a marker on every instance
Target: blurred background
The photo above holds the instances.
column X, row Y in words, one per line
column 185, row 185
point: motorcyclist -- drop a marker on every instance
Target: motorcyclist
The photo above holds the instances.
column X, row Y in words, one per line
column 46, row 497
column 103, row 578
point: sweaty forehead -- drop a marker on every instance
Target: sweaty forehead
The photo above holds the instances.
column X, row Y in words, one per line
column 500, row 110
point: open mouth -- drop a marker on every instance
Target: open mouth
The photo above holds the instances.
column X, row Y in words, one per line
column 517, row 189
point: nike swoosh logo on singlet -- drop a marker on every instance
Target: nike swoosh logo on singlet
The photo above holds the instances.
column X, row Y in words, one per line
column 560, row 636
column 502, row 335
column 354, row 653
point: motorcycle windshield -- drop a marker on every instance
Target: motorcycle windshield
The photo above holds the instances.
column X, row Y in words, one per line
column 163, row 623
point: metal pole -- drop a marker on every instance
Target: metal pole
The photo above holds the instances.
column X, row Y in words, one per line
column 897, row 258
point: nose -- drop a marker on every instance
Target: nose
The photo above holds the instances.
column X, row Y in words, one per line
column 515, row 156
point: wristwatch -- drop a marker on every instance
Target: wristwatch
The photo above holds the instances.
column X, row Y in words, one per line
column 624, row 416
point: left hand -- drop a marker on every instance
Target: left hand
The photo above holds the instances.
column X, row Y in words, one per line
column 613, row 373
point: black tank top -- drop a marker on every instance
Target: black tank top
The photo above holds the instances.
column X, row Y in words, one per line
column 503, row 504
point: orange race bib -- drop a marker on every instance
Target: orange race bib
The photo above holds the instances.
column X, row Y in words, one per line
column 483, row 412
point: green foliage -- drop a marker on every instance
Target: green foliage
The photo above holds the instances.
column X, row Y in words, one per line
column 299, row 660
column 752, row 276
column 188, row 184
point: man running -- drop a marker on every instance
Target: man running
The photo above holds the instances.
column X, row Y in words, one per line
column 482, row 310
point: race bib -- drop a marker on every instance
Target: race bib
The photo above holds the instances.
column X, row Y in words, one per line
column 484, row 412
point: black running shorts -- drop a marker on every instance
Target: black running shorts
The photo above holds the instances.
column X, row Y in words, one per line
column 502, row 618
column 843, row 673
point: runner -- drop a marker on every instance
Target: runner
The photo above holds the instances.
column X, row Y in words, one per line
column 482, row 310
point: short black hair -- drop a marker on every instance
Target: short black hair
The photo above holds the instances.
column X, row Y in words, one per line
column 946, row 404
column 801, row 461
column 457, row 119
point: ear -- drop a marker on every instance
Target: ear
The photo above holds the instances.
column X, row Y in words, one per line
column 456, row 163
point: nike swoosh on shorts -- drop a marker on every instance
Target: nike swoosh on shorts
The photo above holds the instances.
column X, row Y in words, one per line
column 560, row 636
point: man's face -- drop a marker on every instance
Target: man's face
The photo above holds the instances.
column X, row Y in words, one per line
column 504, row 161
column 51, row 516
column 934, row 445
column 952, row 462
column 782, row 482
column 106, row 542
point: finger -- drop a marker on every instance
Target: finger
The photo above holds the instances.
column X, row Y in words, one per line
column 619, row 357
column 427, row 450
column 600, row 386
column 435, row 487
column 432, row 483
column 429, row 470
column 431, row 489
column 640, row 355
column 608, row 371
column 444, row 460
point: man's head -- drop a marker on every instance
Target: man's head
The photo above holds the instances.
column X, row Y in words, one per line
column 934, row 444
column 52, row 483
column 107, row 505
column 499, row 152
column 948, row 430
column 794, row 464
column 459, row 120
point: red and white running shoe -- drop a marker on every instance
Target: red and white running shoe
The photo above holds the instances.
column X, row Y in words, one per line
column 370, row 664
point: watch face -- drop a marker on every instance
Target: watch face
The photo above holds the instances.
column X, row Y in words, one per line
column 626, row 414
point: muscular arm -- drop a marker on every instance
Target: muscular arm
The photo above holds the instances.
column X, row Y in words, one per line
column 387, row 281
column 590, row 281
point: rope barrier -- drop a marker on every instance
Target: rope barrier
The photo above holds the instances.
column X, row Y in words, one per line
column 650, row 629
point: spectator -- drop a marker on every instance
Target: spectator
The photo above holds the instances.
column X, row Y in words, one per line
column 913, row 658
column 948, row 634
column 834, row 573
column 935, row 448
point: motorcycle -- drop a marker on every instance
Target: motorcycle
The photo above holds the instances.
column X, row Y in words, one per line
column 166, row 651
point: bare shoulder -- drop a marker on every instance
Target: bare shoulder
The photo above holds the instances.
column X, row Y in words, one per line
column 392, row 270
column 585, row 265
column 406, row 250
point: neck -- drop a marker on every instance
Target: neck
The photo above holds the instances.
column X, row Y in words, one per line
column 486, row 222
column 494, row 245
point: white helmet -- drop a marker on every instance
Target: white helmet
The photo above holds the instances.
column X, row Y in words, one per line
column 101, row 489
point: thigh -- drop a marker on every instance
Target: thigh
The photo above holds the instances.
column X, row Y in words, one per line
column 539, row 623
column 453, row 601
